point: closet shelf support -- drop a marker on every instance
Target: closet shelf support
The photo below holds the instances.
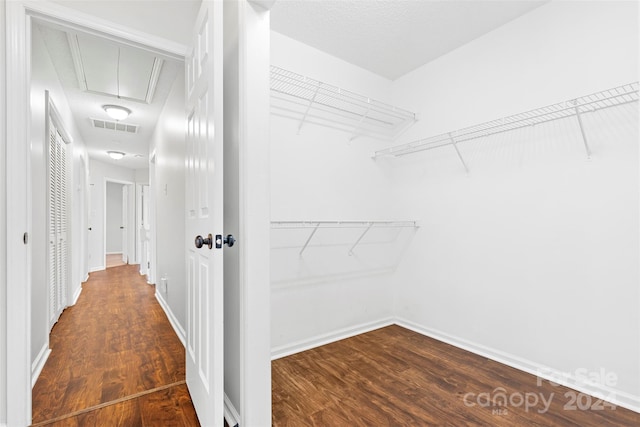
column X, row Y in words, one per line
column 354, row 134
column 309, row 238
column 455, row 146
column 366, row 230
column 584, row 135
column 306, row 112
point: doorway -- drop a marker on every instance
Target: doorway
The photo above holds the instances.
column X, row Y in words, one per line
column 254, row 197
column 119, row 229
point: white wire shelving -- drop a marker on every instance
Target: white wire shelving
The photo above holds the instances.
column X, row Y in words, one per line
column 314, row 226
column 311, row 101
column 572, row 108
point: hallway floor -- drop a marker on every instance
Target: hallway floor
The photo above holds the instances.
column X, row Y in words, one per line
column 115, row 360
column 114, row 260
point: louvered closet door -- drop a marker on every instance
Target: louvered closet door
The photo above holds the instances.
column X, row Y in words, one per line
column 58, row 250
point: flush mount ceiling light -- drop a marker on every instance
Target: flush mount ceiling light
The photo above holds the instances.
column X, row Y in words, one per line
column 116, row 112
column 115, row 155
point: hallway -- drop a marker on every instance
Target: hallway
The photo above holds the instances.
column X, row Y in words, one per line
column 115, row 360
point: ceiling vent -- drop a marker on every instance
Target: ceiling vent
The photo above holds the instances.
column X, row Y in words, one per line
column 117, row 126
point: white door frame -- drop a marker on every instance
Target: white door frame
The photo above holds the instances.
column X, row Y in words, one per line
column 254, row 198
column 3, row 219
column 131, row 186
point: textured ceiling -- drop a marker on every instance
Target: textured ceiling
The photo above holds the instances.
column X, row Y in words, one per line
column 88, row 105
column 391, row 37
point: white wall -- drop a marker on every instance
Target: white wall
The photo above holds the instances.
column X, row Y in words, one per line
column 533, row 257
column 142, row 176
column 43, row 78
column 99, row 173
column 114, row 217
column 3, row 224
column 168, row 188
column 318, row 175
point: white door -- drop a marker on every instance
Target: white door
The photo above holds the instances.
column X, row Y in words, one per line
column 57, row 206
column 204, row 204
column 125, row 227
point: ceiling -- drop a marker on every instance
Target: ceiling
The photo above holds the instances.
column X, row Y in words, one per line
column 94, row 72
column 391, row 37
column 387, row 37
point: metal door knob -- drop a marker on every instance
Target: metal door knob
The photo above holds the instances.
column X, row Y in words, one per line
column 229, row 240
column 201, row 241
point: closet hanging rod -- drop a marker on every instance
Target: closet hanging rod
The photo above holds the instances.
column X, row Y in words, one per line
column 342, row 224
column 597, row 101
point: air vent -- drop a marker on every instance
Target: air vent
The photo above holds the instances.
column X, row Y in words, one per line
column 117, row 126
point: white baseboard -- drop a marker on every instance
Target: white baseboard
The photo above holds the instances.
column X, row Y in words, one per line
column 172, row 319
column 231, row 416
column 617, row 397
column 317, row 341
column 99, row 268
column 38, row 364
column 114, row 253
column 76, row 295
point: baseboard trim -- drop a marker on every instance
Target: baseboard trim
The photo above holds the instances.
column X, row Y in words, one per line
column 611, row 395
column 231, row 416
column 172, row 319
column 76, row 295
column 38, row 364
column 319, row 340
column 99, row 268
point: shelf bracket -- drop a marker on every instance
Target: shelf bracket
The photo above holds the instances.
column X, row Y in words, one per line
column 309, row 238
column 455, row 146
column 364, row 116
column 306, row 112
column 584, row 135
column 360, row 238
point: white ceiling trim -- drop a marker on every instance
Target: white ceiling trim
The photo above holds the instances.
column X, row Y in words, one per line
column 65, row 18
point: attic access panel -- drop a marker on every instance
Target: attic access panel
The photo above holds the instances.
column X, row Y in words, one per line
column 106, row 68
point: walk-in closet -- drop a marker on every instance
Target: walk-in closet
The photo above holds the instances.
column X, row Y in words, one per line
column 487, row 199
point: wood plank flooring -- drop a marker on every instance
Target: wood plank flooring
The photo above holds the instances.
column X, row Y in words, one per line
column 108, row 351
column 114, row 260
column 396, row 377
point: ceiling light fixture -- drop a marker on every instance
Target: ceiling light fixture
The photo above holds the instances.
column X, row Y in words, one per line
column 116, row 112
column 115, row 155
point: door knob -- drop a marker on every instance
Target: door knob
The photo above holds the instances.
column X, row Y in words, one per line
column 229, row 240
column 200, row 241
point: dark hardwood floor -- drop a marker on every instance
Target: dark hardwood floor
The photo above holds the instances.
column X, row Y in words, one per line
column 396, row 377
column 115, row 360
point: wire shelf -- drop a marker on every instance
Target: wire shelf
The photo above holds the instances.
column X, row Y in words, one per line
column 597, row 101
column 316, row 225
column 310, row 101
column 342, row 224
